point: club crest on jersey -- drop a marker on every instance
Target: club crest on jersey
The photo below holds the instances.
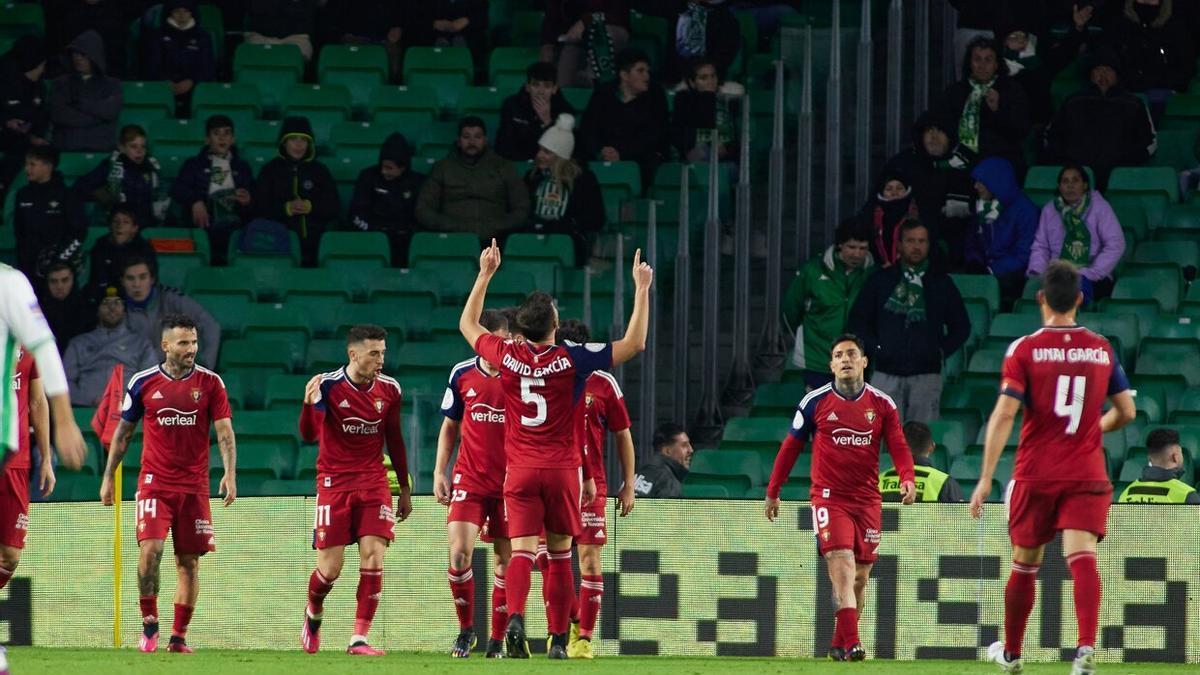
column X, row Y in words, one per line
column 825, row 535
column 196, row 395
column 378, row 405
column 870, row 416
column 588, row 400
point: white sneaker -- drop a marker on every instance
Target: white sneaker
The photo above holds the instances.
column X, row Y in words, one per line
column 996, row 655
column 1085, row 661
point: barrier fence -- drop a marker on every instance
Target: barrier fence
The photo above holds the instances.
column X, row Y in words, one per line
column 682, row 577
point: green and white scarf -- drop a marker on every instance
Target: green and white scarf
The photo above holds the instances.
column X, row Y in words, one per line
column 968, row 124
column 691, row 33
column 550, row 199
column 908, row 297
column 988, row 210
column 1077, row 241
column 601, row 54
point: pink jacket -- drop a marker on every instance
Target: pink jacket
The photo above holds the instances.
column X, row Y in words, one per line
column 1107, row 246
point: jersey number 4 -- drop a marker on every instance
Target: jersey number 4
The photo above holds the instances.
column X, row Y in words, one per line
column 1068, row 399
column 529, row 396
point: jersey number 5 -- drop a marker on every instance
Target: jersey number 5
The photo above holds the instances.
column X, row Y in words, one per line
column 536, row 400
column 1068, row 399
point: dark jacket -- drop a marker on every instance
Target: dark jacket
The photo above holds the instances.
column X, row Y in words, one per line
column 1051, row 54
column 1004, row 245
column 485, row 197
column 584, row 212
column 521, row 128
column 49, row 226
column 659, row 476
column 281, row 18
column 883, row 219
column 20, row 99
column 374, row 18
column 109, row 18
column 1101, row 131
column 696, row 113
column 562, row 14
column 382, row 205
column 108, row 261
column 1153, row 45
column 901, row 349
column 722, row 39
column 1002, row 132
column 178, row 55
column 71, row 316
column 283, row 179
column 84, row 112
column 120, row 180
column 638, row 130
column 195, row 177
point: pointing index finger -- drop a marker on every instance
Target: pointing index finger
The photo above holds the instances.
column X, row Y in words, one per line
column 637, row 257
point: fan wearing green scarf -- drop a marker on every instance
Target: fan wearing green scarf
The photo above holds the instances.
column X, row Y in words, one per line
column 984, row 68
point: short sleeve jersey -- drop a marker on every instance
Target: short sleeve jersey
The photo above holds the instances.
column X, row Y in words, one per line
column 604, row 411
column 26, row 372
column 175, row 414
column 21, row 323
column 846, row 436
column 543, row 387
column 351, row 439
column 1062, row 375
column 476, row 399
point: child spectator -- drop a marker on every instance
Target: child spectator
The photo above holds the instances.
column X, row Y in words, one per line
column 564, row 197
column 129, row 176
column 85, row 103
column 883, row 214
column 108, row 255
column 702, row 109
column 528, row 113
column 48, row 222
column 181, row 52
column 296, row 190
column 385, row 196
column 213, row 188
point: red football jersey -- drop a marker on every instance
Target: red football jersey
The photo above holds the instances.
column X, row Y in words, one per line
column 1062, row 375
column 543, row 387
column 846, row 436
column 357, row 421
column 604, row 410
column 25, row 373
column 177, row 415
column 476, row 399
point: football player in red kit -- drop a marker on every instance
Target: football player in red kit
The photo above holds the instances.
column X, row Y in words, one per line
column 474, row 410
column 1061, row 375
column 847, row 420
column 176, row 401
column 544, row 386
column 353, row 412
column 32, row 410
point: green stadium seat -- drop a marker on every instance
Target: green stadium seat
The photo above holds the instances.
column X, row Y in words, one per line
column 1131, row 213
column 1183, row 112
column 306, row 463
column 578, row 97
column 276, row 261
column 554, row 248
column 340, row 249
column 400, row 316
column 737, row 470
column 278, row 427
column 72, row 165
column 359, row 68
column 144, row 101
column 359, row 142
column 401, row 283
column 435, row 139
column 622, row 180
column 701, row 488
column 17, row 19
column 1123, row 331
column 796, row 490
column 242, row 103
column 271, row 355
column 324, row 356
column 1163, row 286
column 261, row 457
column 1158, row 357
column 648, row 32
column 511, row 62
column 987, row 360
column 436, row 248
column 283, row 488
column 1185, row 255
column 388, row 101
column 72, row 486
column 754, row 433
column 1005, row 328
column 205, row 282
column 979, row 288
column 510, row 287
column 1157, row 186
column 777, row 400
column 948, row 435
column 453, row 61
column 425, row 366
column 1041, row 183
column 323, row 104
column 1176, row 149
column 484, row 102
column 1181, row 222
column 176, row 137
column 274, row 69
column 291, row 323
column 258, row 138
column 235, row 390
column 286, row 392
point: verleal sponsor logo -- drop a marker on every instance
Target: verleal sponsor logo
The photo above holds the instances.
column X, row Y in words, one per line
column 173, row 417
column 481, row 412
column 853, row 437
column 360, row 427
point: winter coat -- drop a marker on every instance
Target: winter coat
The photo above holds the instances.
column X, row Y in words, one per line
column 108, row 261
column 195, row 177
column 283, row 179
column 1153, row 45
column 49, row 226
column 585, row 205
column 901, row 349
column 178, row 55
column 145, row 318
column 281, row 18
column 373, row 19
column 382, row 205
column 20, row 99
column 1001, row 133
column 71, row 316
column 119, row 180
column 85, row 111
column 562, row 14
column 1003, row 247
column 637, row 129
column 90, row 358
column 883, row 219
column 819, row 299
column 1101, row 131
column 486, row 197
column 722, row 40
column 521, row 128
column 660, row 477
column 696, row 111
column 1107, row 239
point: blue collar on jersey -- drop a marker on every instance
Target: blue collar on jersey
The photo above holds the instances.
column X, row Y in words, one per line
column 482, row 371
column 174, row 379
column 833, row 388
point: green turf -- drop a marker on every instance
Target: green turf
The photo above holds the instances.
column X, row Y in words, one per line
column 32, row 661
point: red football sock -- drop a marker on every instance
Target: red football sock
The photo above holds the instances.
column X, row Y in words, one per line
column 499, row 610
column 183, row 616
column 5, row 576
column 561, row 590
column 370, row 585
column 462, row 588
column 149, row 606
column 516, row 581
column 847, row 627
column 1018, row 603
column 591, row 589
column 318, row 588
column 542, row 562
column 1087, row 594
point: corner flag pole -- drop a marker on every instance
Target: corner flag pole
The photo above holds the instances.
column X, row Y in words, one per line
column 117, row 558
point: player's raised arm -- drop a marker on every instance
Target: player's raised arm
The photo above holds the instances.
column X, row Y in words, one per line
column 634, row 341
column 468, row 323
column 228, row 447
column 999, row 428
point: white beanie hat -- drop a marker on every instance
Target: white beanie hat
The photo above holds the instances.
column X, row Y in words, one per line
column 559, row 138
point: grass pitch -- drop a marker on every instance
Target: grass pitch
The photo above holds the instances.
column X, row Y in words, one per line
column 37, row 660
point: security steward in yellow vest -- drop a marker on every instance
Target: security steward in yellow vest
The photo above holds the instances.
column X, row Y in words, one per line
column 933, row 484
column 1159, row 482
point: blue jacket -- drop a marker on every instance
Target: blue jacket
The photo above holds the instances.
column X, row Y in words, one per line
column 192, row 183
column 1004, row 245
column 178, row 55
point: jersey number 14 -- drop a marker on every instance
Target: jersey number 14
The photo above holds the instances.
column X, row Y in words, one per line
column 1068, row 399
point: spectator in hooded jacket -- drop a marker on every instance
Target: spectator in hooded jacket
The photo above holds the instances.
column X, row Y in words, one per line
column 911, row 318
column 86, row 102
column 1005, row 221
column 68, row 310
column 129, row 176
column 147, row 302
column 23, row 117
column 1157, row 54
column 1103, row 126
column 296, row 190
column 124, row 240
column 703, row 29
column 275, row 22
column 564, row 198
column 473, row 189
column 385, row 197
column 627, row 119
column 213, row 189
column 67, row 19
column 528, row 113
column 583, row 37
column 702, row 108
column 181, row 52
column 48, row 222
column 1080, row 227
column 990, row 111
column 892, row 205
